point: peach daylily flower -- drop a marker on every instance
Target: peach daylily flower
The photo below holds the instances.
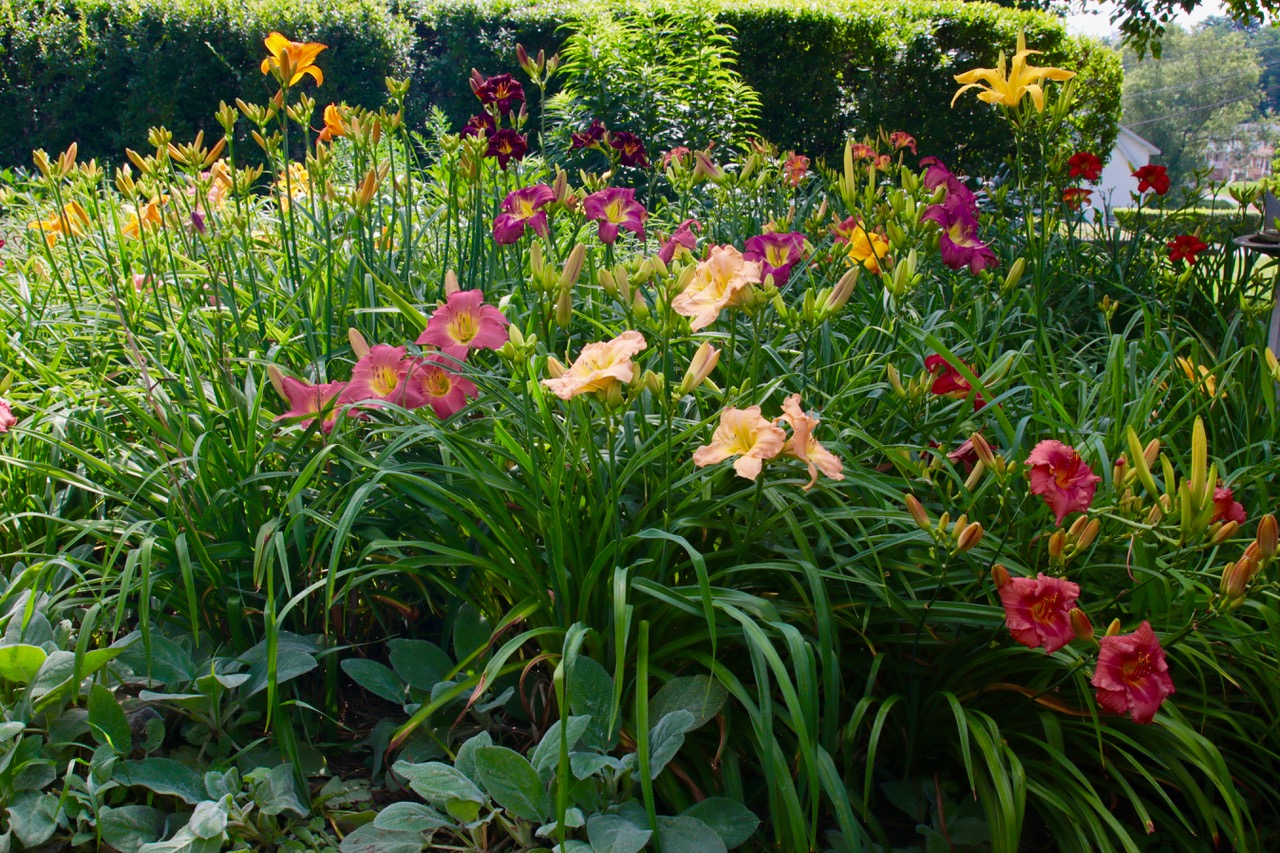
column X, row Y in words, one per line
column 803, row 446
column 599, row 367
column 745, row 434
column 719, row 282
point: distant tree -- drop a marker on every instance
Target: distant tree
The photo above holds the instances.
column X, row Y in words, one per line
column 1143, row 24
column 1201, row 89
column 1265, row 41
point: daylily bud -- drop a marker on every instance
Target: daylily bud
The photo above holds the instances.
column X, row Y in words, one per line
column 554, row 368
column 1140, row 463
column 918, row 512
column 653, row 382
column 840, row 294
column 1077, row 527
column 1087, row 535
column 1119, row 470
column 564, row 307
column 895, row 380
column 944, row 521
column 359, row 347
column 1221, row 532
column 536, row 264
column 1155, row 514
column 1199, row 465
column 704, row 361
column 983, row 450
column 1080, row 624
column 960, row 525
column 969, row 537
column 1057, row 542
column 607, row 283
column 639, row 306
column 1267, row 536
column 451, row 286
column 1000, row 575
column 975, row 476
column 1273, row 365
column 560, row 186
column 1113, row 628
column 42, row 161
column 1014, row 275
column 277, row 380
column 572, row 267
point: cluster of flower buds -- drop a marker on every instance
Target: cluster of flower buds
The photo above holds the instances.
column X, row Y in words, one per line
column 59, row 170
column 1257, row 555
column 1074, row 541
column 959, row 537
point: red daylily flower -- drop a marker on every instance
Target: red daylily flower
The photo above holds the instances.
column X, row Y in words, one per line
column 1085, row 164
column 1154, row 178
column 1185, row 247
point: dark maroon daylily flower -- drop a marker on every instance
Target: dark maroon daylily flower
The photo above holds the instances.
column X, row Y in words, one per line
column 481, row 125
column 500, row 90
column 507, row 145
column 592, row 137
column 630, row 149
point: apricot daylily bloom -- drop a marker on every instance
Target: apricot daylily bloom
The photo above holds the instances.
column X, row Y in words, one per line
column 465, row 322
column 1132, row 674
column 1008, row 88
column 743, row 433
column 803, row 446
column 290, row 61
column 143, row 216
column 599, row 367
column 719, row 282
column 71, row 221
column 1037, row 611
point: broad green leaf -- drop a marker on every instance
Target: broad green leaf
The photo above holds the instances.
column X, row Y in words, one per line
column 209, row 820
column 700, row 695
column 666, row 738
column 278, row 794
column 419, row 663
column 410, row 817
column 168, row 662
column 591, row 695
column 96, row 659
column 54, row 674
column 730, row 819
column 127, row 828
column 107, row 720
column 613, row 834
column 465, row 760
column 688, row 835
column 33, row 817
column 573, row 818
column 376, row 678
column 163, row 776
column 439, row 783
column 290, row 663
column 547, row 753
column 512, row 782
column 470, row 631
column 20, row 663
column 375, row 839
column 584, row 765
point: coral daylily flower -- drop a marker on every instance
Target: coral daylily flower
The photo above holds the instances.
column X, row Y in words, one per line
column 1065, row 481
column 599, row 367
column 520, row 209
column 719, row 282
column 1226, row 507
column 382, row 374
column 615, row 208
column 465, row 323
column 1036, row 611
column 900, row 139
column 311, row 402
column 777, row 254
column 803, row 446
column 1009, row 88
column 443, row 390
column 71, row 221
column 1075, row 197
column 745, row 434
column 795, row 168
column 291, row 60
column 1132, row 674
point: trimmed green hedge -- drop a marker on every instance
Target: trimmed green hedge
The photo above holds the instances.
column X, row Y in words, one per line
column 1217, row 226
column 102, row 71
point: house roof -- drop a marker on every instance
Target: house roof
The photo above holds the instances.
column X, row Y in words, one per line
column 1131, row 144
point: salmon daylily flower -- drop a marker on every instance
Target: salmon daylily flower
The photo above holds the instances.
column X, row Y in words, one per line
column 1132, row 674
column 1009, row 88
column 719, row 282
column 743, row 433
column 599, row 367
column 71, row 221
column 1062, row 478
column 465, row 322
column 290, row 61
column 803, row 446
column 1037, row 611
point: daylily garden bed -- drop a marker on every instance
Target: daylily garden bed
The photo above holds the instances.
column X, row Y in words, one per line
column 415, row 493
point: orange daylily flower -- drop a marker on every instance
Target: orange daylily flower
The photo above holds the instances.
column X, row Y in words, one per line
column 142, row 216
column 743, row 433
column 999, row 87
column 867, row 248
column 803, row 446
column 291, row 60
column 71, row 221
column 334, row 125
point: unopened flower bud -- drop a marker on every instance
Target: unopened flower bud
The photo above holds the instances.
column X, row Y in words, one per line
column 359, row 346
column 451, row 285
column 1000, row 575
column 1222, row 532
column 1057, row 543
column 564, row 307
column 1267, row 535
column 895, row 380
column 572, row 267
column 918, row 512
column 704, row 361
column 969, row 537
column 1113, row 628
column 554, row 368
column 277, row 380
column 975, row 476
column 1080, row 624
column 1014, row 275
column 1087, row 535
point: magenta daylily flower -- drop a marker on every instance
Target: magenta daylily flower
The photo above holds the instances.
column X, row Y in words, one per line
column 958, row 242
column 381, row 375
column 507, row 145
column 1037, row 611
column 1058, row 474
column 522, row 209
column 1132, row 674
column 465, row 323
column 683, row 236
column 615, row 208
column 309, row 402
column 443, row 390
column 937, row 174
column 777, row 254
column 630, row 149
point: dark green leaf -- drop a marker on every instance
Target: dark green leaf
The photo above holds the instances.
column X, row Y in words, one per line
column 376, row 678
column 512, row 782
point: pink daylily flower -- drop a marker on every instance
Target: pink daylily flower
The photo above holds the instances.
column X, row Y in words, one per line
column 381, row 375
column 1062, row 478
column 615, row 208
column 465, row 323
column 683, row 236
column 440, row 387
column 1132, row 674
column 958, row 243
column 1226, row 507
column 1037, row 611
column 7, row 419
column 803, row 446
column 310, row 403
column 522, row 209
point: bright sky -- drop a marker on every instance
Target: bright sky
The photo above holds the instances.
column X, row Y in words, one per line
column 1097, row 20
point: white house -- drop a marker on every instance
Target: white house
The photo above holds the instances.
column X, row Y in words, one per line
column 1130, row 152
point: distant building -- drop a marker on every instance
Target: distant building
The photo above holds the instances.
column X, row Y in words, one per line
column 1130, row 152
column 1247, row 157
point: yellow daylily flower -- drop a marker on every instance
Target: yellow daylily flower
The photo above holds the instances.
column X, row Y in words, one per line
column 1008, row 89
column 1198, row 374
column 71, row 221
column 290, row 60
